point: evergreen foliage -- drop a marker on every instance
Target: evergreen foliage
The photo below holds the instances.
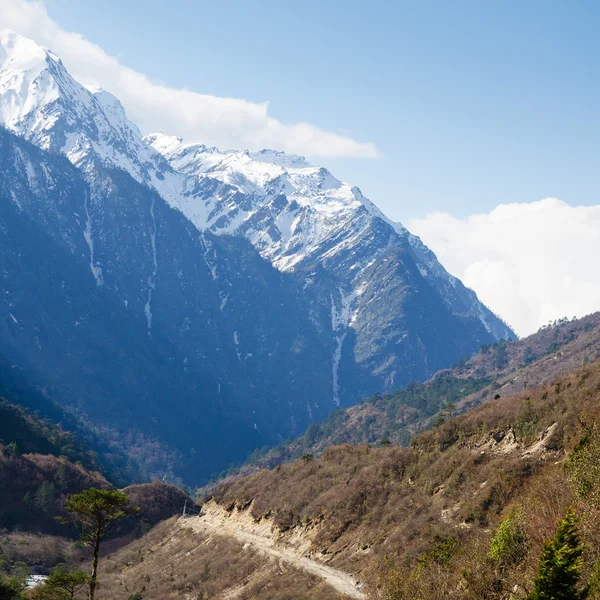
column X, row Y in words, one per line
column 25, row 432
column 10, row 588
column 560, row 564
column 62, row 584
column 45, row 497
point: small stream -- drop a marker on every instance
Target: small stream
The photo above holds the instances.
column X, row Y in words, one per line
column 34, row 580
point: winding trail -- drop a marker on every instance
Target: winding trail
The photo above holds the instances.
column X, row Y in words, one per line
column 221, row 525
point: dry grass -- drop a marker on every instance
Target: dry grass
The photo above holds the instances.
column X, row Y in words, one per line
column 174, row 562
column 377, row 510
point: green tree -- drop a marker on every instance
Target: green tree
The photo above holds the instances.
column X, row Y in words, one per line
column 62, row 476
column 501, row 359
column 12, row 450
column 4, row 562
column 45, row 497
column 10, row 588
column 583, row 467
column 94, row 512
column 528, row 356
column 62, row 584
column 560, row 564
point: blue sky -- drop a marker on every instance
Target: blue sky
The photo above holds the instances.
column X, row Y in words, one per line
column 470, row 103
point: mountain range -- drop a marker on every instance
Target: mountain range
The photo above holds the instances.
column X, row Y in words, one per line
column 189, row 305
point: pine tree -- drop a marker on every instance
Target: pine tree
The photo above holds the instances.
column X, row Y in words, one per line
column 560, row 564
column 62, row 584
column 94, row 511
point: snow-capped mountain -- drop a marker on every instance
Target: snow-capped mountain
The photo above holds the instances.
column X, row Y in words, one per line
column 286, row 207
column 40, row 101
column 299, row 215
column 255, row 288
column 301, row 218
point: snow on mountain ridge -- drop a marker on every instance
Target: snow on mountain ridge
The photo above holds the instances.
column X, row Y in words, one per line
column 284, row 205
column 40, row 101
column 23, row 62
column 294, row 213
column 169, row 145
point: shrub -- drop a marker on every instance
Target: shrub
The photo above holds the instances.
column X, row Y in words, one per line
column 10, row 588
column 583, row 467
column 509, row 544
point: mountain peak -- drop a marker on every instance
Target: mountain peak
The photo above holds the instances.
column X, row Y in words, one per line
column 295, row 214
column 25, row 84
column 164, row 143
column 13, row 44
column 276, row 157
column 41, row 102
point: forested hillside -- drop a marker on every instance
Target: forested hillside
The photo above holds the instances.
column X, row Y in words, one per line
column 41, row 464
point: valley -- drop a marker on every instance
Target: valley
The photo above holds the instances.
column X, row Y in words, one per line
column 226, row 374
column 360, row 520
column 410, row 522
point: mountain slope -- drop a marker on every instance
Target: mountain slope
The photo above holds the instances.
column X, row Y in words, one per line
column 193, row 336
column 159, row 300
column 171, row 562
column 382, row 281
column 412, row 522
column 496, row 371
column 40, row 464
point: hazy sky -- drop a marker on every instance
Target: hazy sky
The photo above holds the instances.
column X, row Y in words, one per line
column 470, row 103
column 475, row 123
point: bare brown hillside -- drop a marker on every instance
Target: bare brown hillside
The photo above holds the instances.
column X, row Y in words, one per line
column 412, row 522
column 176, row 561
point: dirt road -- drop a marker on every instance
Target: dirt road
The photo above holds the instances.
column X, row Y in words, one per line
column 217, row 521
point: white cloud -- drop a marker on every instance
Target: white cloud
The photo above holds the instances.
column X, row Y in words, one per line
column 530, row 263
column 224, row 122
